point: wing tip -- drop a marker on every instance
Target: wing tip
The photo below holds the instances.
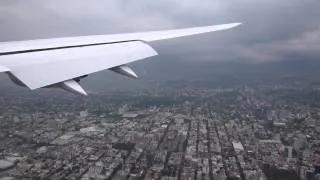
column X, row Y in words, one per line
column 231, row 25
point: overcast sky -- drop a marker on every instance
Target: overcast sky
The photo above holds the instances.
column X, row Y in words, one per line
column 272, row 29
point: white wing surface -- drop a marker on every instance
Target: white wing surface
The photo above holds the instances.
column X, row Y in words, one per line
column 47, row 62
column 44, row 68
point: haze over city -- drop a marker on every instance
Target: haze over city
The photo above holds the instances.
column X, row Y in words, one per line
column 236, row 104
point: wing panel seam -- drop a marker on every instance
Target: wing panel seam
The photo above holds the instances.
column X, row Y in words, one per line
column 61, row 47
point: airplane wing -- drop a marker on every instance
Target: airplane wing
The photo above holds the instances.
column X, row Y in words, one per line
column 62, row 62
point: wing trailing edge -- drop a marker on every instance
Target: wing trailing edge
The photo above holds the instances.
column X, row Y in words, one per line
column 4, row 69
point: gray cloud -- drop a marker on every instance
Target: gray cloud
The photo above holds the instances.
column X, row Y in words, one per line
column 272, row 29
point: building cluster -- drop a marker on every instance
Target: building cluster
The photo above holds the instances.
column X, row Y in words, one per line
column 233, row 134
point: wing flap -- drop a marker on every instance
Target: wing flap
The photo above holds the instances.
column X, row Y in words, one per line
column 45, row 68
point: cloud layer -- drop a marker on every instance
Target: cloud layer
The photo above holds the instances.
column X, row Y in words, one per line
column 272, row 30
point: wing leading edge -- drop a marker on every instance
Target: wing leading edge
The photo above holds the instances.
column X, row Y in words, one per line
column 46, row 62
column 22, row 46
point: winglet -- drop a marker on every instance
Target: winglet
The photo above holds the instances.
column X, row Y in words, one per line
column 232, row 25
